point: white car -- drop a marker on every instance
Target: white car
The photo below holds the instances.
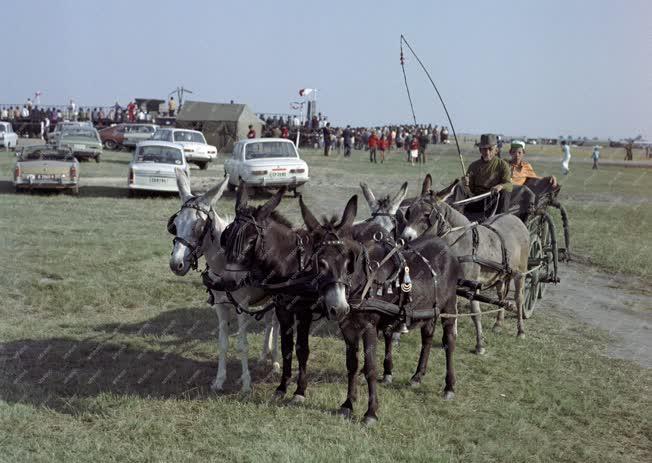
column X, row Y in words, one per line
column 8, row 138
column 266, row 163
column 193, row 142
column 153, row 167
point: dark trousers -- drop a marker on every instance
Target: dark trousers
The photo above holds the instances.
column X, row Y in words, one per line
column 372, row 155
column 347, row 149
column 486, row 206
column 327, row 148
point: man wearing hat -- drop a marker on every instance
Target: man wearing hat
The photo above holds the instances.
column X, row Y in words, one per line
column 489, row 174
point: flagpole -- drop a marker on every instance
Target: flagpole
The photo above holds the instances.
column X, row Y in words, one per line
column 300, row 123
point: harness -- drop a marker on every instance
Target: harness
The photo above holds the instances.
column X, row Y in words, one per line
column 194, row 247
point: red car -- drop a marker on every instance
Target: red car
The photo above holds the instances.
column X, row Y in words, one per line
column 126, row 135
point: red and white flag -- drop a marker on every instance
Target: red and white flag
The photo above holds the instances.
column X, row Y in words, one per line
column 306, row 91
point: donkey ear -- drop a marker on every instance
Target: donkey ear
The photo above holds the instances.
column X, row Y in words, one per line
column 427, row 185
column 308, row 218
column 183, row 183
column 396, row 201
column 350, row 211
column 215, row 193
column 369, row 196
column 272, row 204
column 242, row 198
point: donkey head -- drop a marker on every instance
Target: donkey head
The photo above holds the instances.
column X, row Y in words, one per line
column 383, row 210
column 334, row 256
column 243, row 239
column 195, row 221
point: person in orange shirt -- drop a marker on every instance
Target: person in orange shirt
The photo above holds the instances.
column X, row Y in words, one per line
column 522, row 170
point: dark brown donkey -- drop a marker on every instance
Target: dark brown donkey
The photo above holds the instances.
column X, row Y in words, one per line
column 263, row 250
column 354, row 281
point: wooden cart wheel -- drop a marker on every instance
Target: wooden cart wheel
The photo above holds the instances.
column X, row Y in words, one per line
column 532, row 284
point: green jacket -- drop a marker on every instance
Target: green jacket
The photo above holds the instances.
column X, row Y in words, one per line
column 484, row 175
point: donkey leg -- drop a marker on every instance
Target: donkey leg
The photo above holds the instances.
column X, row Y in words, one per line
column 369, row 339
column 276, row 366
column 501, row 294
column 477, row 321
column 222, row 346
column 243, row 350
column 352, row 341
column 388, row 362
column 286, row 321
column 427, row 331
column 519, row 281
column 303, row 351
column 448, row 341
column 267, row 336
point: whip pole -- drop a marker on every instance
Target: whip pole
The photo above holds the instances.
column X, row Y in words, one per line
column 450, row 121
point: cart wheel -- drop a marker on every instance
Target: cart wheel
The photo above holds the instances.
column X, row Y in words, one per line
column 110, row 145
column 532, row 284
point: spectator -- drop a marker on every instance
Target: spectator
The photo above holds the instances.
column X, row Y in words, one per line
column 252, row 132
column 347, row 141
column 172, row 107
column 72, row 110
column 285, row 133
column 566, row 157
column 326, row 133
column 595, row 156
column 382, row 146
column 29, row 104
column 629, row 155
column 423, row 144
column 373, row 146
column 131, row 111
column 414, row 149
column 4, row 114
column 24, row 113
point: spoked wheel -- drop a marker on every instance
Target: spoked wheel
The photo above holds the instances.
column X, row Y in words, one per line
column 532, row 284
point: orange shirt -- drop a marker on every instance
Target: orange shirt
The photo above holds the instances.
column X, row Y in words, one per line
column 521, row 172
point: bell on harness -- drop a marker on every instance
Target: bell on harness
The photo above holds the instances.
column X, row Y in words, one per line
column 406, row 286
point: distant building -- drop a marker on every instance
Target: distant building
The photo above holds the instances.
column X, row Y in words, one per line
column 221, row 123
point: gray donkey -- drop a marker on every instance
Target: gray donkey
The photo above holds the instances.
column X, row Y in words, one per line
column 197, row 229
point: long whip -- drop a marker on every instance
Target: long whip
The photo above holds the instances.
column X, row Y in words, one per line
column 450, row 121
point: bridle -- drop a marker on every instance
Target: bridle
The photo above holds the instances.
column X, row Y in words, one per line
column 208, row 225
column 233, row 239
column 330, row 239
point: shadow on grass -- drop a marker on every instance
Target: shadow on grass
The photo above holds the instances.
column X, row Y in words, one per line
column 57, row 372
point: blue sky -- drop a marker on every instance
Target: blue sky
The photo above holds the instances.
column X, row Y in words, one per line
column 546, row 68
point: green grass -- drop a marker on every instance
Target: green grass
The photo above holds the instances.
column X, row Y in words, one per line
column 106, row 356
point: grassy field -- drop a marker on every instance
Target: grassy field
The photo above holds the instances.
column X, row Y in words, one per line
column 106, row 356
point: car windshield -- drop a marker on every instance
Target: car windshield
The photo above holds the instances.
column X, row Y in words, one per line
column 2, row 128
column 162, row 154
column 90, row 134
column 46, row 155
column 194, row 137
column 276, row 149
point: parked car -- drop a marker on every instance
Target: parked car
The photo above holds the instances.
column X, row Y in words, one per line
column 193, row 142
column 53, row 136
column 46, row 167
column 83, row 141
column 8, row 138
column 126, row 135
column 153, row 167
column 266, row 163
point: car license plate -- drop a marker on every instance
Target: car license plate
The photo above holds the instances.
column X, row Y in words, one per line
column 157, row 180
column 278, row 174
column 45, row 176
column 80, row 147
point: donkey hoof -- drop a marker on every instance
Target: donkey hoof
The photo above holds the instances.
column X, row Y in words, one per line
column 217, row 386
column 449, row 395
column 521, row 335
column 345, row 413
column 297, row 399
column 278, row 395
column 387, row 379
column 369, row 421
column 276, row 368
column 479, row 350
column 414, row 384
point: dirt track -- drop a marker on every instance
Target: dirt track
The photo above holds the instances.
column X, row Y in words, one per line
column 618, row 304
